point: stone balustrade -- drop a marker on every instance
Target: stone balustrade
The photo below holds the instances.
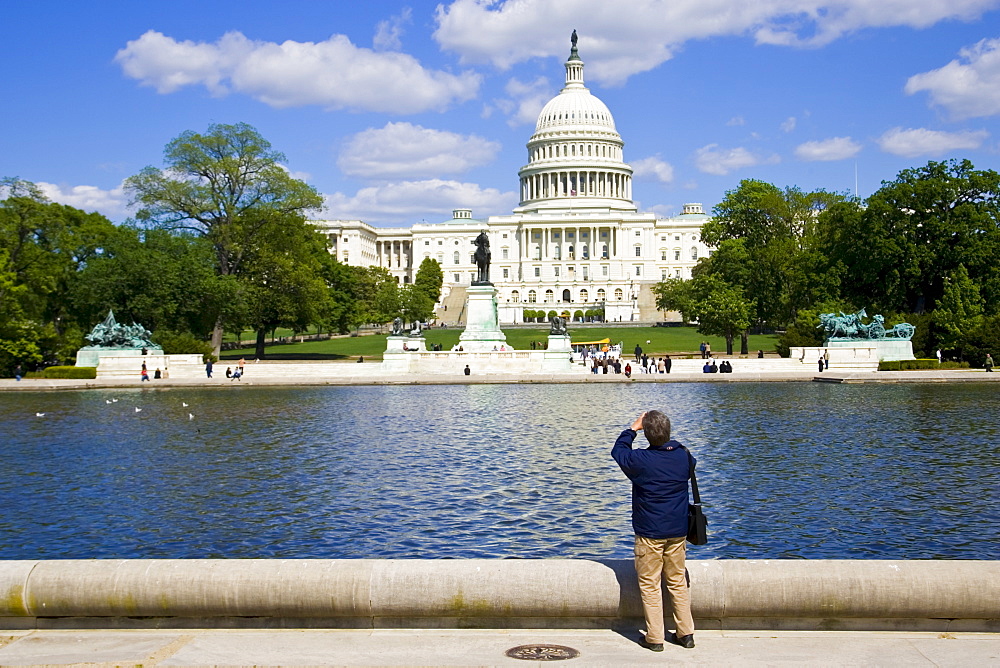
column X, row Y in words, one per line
column 484, row 593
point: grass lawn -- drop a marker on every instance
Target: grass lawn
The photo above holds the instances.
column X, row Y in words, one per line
column 661, row 341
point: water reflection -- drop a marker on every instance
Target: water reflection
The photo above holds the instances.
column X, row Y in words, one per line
column 787, row 470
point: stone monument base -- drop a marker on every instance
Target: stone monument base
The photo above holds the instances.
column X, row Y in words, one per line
column 404, row 344
column 91, row 356
column 887, row 350
column 482, row 330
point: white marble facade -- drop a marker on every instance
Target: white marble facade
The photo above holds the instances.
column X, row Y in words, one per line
column 575, row 242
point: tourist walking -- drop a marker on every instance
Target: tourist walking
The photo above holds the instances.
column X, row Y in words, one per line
column 939, row 355
column 659, row 476
column 144, row 374
column 208, row 368
column 18, row 373
column 989, row 363
column 702, row 349
column 821, row 365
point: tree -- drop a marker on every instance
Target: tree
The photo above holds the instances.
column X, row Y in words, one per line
column 415, row 305
column 43, row 247
column 673, row 295
column 719, row 308
column 960, row 310
column 895, row 252
column 761, row 233
column 377, row 294
column 429, row 279
column 226, row 185
column 282, row 284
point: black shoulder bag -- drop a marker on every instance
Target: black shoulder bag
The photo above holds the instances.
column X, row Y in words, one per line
column 697, row 523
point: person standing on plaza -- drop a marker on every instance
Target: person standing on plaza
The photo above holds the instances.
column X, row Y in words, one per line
column 18, row 373
column 702, row 349
column 667, row 363
column 659, row 476
column 821, row 365
column 638, row 352
column 989, row 363
column 939, row 355
column 208, row 367
column 826, row 359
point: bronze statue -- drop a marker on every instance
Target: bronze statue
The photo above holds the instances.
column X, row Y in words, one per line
column 397, row 326
column 557, row 326
column 573, row 38
column 482, row 257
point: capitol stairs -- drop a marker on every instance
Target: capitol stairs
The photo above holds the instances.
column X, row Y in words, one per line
column 452, row 309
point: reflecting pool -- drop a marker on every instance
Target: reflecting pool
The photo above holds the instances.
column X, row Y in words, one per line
column 786, row 470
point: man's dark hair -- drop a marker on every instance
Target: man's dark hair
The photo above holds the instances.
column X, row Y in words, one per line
column 657, row 427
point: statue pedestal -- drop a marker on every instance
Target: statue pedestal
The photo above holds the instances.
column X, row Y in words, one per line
column 91, row 355
column 887, row 350
column 559, row 343
column 482, row 329
column 404, row 344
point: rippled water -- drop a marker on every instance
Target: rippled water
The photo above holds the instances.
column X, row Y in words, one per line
column 786, row 470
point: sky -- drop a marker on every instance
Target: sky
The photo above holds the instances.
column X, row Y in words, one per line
column 400, row 112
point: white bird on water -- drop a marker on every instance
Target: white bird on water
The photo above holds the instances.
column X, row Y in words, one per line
column 138, row 410
column 190, row 416
column 115, row 400
column 39, row 414
column 184, row 404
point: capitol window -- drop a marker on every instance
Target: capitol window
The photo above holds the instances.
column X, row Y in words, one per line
column 638, row 251
column 663, row 255
column 427, row 242
column 506, row 272
column 531, row 296
column 515, row 296
column 694, row 253
column 584, row 296
column 555, row 270
column 549, row 296
column 604, row 251
column 677, row 255
column 503, row 252
column 600, row 295
column 538, row 272
column 458, row 258
column 638, row 270
column 618, row 294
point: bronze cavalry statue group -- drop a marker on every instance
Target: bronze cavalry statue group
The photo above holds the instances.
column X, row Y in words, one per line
column 850, row 326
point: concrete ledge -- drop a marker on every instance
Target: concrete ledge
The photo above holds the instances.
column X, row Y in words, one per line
column 485, row 593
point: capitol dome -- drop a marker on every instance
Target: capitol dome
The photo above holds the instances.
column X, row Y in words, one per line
column 575, row 155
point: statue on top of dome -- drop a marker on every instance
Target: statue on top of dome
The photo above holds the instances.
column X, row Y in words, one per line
column 573, row 39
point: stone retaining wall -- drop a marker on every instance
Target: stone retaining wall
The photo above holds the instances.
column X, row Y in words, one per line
column 486, row 593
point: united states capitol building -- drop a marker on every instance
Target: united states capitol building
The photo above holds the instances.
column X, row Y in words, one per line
column 576, row 242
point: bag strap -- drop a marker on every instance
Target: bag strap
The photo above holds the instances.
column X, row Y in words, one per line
column 694, row 479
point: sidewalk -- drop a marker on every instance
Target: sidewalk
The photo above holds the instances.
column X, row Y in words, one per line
column 272, row 380
column 450, row 647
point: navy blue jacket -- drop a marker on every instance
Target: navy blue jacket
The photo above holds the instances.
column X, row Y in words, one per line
column 659, row 476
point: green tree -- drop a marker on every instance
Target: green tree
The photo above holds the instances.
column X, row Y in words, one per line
column 719, row 308
column 673, row 294
column 227, row 185
column 768, row 230
column 959, row 311
column 415, row 305
column 429, row 279
column 282, row 283
column 377, row 295
column 43, row 247
column 895, row 252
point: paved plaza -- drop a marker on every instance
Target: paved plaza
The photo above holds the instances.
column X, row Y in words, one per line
column 409, row 647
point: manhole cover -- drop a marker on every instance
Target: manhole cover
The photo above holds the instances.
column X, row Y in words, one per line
column 542, row 652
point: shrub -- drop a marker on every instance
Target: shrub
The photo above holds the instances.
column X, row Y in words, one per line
column 550, row 314
column 920, row 364
column 76, row 372
column 180, row 343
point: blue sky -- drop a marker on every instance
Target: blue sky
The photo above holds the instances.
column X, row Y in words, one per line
column 400, row 112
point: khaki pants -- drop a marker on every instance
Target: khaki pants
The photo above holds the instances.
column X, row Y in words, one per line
column 657, row 558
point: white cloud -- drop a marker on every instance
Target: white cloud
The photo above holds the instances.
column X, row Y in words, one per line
column 835, row 148
column 402, row 150
column 736, row 121
column 966, row 89
column 653, row 168
column 789, row 124
column 618, row 43
column 405, row 201
column 388, row 35
column 112, row 203
column 712, row 159
column 526, row 100
column 334, row 74
column 913, row 142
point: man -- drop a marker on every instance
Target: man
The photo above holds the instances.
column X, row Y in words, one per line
column 659, row 476
column 638, row 352
column 989, row 362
